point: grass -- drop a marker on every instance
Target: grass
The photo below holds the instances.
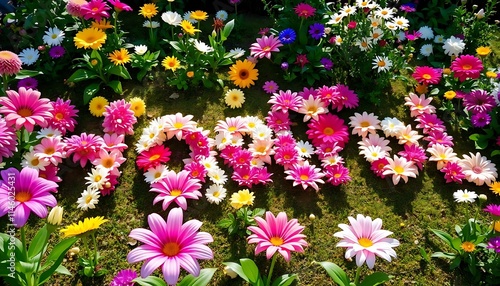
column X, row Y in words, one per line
column 409, row 210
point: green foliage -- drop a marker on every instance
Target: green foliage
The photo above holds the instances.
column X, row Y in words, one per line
column 238, row 223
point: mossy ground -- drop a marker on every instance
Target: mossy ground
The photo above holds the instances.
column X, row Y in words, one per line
column 409, row 210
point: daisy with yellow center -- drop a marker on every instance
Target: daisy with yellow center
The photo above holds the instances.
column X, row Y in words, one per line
column 450, row 94
column 242, row 198
column 243, row 73
column 83, row 228
column 483, row 51
column 199, row 15
column 171, row 63
column 468, row 246
column 495, row 188
column 491, row 74
column 235, row 98
column 119, row 57
column 148, row 10
column 138, row 106
column 97, row 106
column 90, row 38
column 188, row 27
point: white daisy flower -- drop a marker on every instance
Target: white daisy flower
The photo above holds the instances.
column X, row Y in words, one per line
column 155, row 174
column 252, row 122
column 426, row 33
column 385, row 13
column 305, row 149
column 392, row 126
column 426, row 50
column 364, row 44
column 217, row 176
column 97, row 178
column 439, row 39
column 348, row 10
column 29, row 56
column 453, row 46
column 382, row 64
column 172, row 18
column 373, row 153
column 202, row 47
column 151, row 24
column 401, row 22
column 89, row 198
column 223, row 139
column 215, row 194
column 210, row 163
column 53, row 37
column 140, row 49
column 237, row 53
column 262, row 132
column 464, row 196
column 376, row 34
column 48, row 132
column 31, row 160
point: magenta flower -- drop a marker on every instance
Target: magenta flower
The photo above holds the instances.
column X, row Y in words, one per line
column 430, row 122
column 153, row 157
column 344, row 97
column 301, row 60
column 8, row 140
column 436, row 136
column 328, row 128
column 246, row 176
column 113, row 141
column 479, row 101
column 453, row 172
column 170, row 245
column 119, row 118
column 378, row 167
column 427, row 75
column 270, row 87
column 278, row 121
column 286, row 156
column 304, row 10
column 493, row 210
column 196, row 170
column 63, row 116
column 414, row 153
column 95, row 9
column 466, row 66
column 84, row 148
column 277, row 234
column 284, row 101
column 480, row 120
column 305, row 175
column 365, row 239
column 265, row 46
column 25, row 109
column 176, row 187
column 120, row 6
column 124, row 278
column 494, row 243
column 337, row 174
column 31, row 194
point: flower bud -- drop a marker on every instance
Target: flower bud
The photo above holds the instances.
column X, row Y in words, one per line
column 230, row 272
column 312, row 217
column 55, row 215
column 483, row 198
column 41, row 48
column 479, row 14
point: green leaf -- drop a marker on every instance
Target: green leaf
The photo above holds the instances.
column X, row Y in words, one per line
column 96, row 55
column 90, row 91
column 176, row 45
column 445, row 255
column 495, row 152
column 227, row 30
column 424, row 255
column 201, row 280
column 225, row 223
column 444, row 236
column 27, row 73
column 336, row 273
column 285, row 280
column 250, row 269
column 38, row 242
column 63, row 270
column 56, row 256
column 150, row 281
column 237, row 268
column 116, row 85
column 82, row 74
column 374, row 279
column 120, row 71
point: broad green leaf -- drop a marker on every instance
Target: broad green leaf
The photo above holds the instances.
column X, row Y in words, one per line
column 336, row 273
column 374, row 279
column 82, row 74
column 250, row 269
column 120, row 71
column 444, row 236
column 201, row 280
column 455, row 263
column 90, row 91
column 176, row 45
column 27, row 73
column 285, row 280
column 63, row 270
column 494, row 153
column 237, row 268
column 38, row 242
column 446, row 255
column 96, row 55
column 56, row 256
column 456, row 243
column 150, row 281
column 424, row 255
column 116, row 85
column 227, row 30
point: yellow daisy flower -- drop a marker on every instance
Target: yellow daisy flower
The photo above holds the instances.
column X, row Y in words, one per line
column 103, row 24
column 138, row 106
column 242, row 198
column 235, row 98
column 90, row 38
column 97, row 106
column 496, row 225
column 119, row 57
column 491, row 74
column 495, row 188
column 243, row 73
column 83, row 228
column 188, row 27
column 199, row 15
column 450, row 94
column 171, row 63
column 468, row 246
column 148, row 10
column 483, row 51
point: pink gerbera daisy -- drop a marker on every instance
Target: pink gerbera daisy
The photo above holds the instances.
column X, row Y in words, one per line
column 265, row 46
column 366, row 239
column 8, row 140
column 119, row 118
column 196, row 170
column 429, row 123
column 436, row 136
column 120, row 6
column 113, row 141
column 427, row 75
column 378, row 167
column 84, row 148
column 277, row 233
column 327, row 93
column 245, row 176
column 51, row 149
column 25, row 109
column 286, row 156
column 466, row 66
column 153, row 157
column 74, row 7
column 284, row 101
column 328, row 128
column 365, row 123
column 493, row 210
column 304, row 10
column 337, row 174
column 419, row 105
column 231, row 125
column 170, row 245
column 414, row 153
column 278, row 121
column 10, row 64
column 64, row 114
column 478, row 169
column 32, row 194
column 453, row 172
column 344, row 97
column 270, row 87
column 240, row 158
column 50, row 173
column 110, row 185
column 177, row 124
column 110, row 161
column 95, row 9
column 176, row 187
column 305, row 175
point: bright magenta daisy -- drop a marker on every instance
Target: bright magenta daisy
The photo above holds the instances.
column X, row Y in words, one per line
column 176, row 187
column 344, row 97
column 366, row 239
column 305, row 175
column 120, row 6
column 153, row 157
column 284, row 101
column 337, row 174
column 25, row 109
column 84, row 148
column 119, row 118
column 304, row 10
column 95, row 9
column 277, row 234
column 8, row 140
column 171, row 245
column 63, row 116
column 466, row 66
column 493, row 210
column 265, row 46
column 328, row 128
column 427, row 75
column 31, row 194
column 270, row 87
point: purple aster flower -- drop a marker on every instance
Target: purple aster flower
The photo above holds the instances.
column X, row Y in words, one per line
column 413, row 36
column 316, row 30
column 480, row 119
column 28, row 82
column 408, row 7
column 270, row 87
column 57, row 52
column 124, row 278
column 287, row 36
column 494, row 243
column 284, row 66
column 479, row 101
column 327, row 63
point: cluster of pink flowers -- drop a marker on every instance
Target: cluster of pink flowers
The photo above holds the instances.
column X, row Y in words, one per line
column 201, row 164
column 94, row 9
column 327, row 132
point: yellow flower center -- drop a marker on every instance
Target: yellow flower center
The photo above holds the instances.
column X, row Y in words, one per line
column 49, row 151
column 216, row 194
column 23, row 197
column 171, row 249
column 365, row 242
column 108, row 163
column 466, row 67
column 328, row 131
column 88, row 200
column 365, row 124
column 426, row 76
column 336, row 176
column 381, row 64
column 276, row 241
column 35, row 162
column 175, row 193
column 399, row 170
column 97, row 178
column 154, row 157
column 178, row 125
column 304, row 177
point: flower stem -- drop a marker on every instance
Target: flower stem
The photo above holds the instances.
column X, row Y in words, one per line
column 358, row 273
column 95, row 250
column 23, row 240
column 268, row 282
